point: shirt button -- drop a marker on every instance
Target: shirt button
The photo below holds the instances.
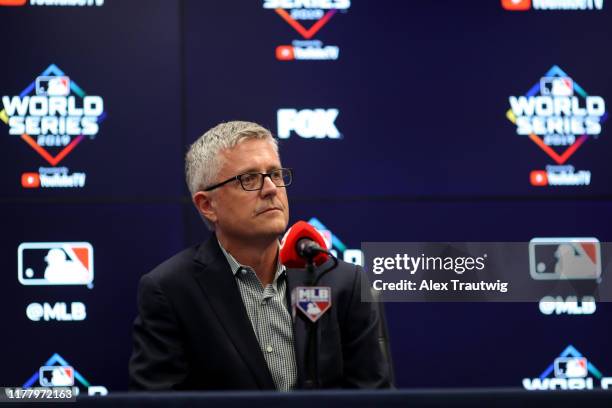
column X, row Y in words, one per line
column 269, row 349
column 243, row 271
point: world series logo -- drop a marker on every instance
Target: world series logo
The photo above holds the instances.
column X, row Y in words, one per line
column 53, row 115
column 570, row 371
column 316, row 14
column 57, row 372
column 558, row 116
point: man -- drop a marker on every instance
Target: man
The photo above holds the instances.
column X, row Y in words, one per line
column 217, row 316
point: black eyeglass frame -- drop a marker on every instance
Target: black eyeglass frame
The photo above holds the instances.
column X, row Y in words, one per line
column 239, row 178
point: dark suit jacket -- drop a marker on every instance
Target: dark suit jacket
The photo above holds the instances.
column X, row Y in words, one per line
column 193, row 331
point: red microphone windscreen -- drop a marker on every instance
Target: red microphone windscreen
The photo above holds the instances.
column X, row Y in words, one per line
column 288, row 252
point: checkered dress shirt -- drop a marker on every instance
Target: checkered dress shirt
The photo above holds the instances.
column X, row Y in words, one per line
column 271, row 321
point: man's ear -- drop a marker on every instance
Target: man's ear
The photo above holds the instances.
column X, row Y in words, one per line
column 203, row 202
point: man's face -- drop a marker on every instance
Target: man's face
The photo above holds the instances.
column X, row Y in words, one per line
column 244, row 214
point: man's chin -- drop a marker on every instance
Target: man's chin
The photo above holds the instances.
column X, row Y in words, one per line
column 280, row 227
column 269, row 223
column 275, row 227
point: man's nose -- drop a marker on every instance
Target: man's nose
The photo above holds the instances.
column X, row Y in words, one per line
column 268, row 188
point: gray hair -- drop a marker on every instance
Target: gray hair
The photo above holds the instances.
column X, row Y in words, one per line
column 203, row 160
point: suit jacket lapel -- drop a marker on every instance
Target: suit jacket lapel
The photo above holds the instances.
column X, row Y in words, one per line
column 219, row 286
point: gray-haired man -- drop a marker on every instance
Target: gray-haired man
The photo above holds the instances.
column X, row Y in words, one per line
column 217, row 315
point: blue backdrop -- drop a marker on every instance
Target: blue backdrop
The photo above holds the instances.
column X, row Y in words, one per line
column 404, row 136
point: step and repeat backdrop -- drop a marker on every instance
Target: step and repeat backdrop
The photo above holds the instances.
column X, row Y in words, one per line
column 403, row 121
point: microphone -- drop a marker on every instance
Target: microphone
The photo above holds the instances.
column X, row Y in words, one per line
column 303, row 244
column 307, row 248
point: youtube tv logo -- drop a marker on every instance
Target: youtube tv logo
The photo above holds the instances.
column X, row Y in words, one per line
column 285, row 53
column 516, row 5
column 538, row 178
column 30, row 180
column 53, row 3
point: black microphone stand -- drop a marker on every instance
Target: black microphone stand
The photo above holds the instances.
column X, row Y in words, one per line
column 312, row 345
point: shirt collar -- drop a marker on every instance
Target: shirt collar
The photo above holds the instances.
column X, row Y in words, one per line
column 236, row 266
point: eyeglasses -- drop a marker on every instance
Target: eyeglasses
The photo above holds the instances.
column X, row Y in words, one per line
column 255, row 181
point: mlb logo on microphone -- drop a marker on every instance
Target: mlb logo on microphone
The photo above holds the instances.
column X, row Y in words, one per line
column 56, row 376
column 53, row 86
column 55, row 263
column 313, row 301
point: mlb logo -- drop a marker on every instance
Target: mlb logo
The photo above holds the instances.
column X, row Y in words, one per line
column 557, row 86
column 313, row 301
column 53, row 86
column 564, row 258
column 56, row 376
column 571, row 367
column 285, row 53
column 55, row 263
